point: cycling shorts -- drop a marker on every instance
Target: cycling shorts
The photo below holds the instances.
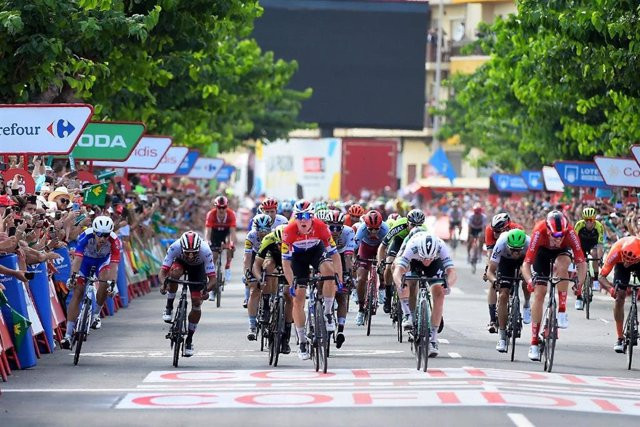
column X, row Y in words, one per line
column 544, row 257
column 88, row 263
column 623, row 274
column 508, row 268
column 435, row 269
column 454, row 223
column 219, row 237
column 587, row 245
column 366, row 252
column 195, row 273
column 475, row 232
column 300, row 261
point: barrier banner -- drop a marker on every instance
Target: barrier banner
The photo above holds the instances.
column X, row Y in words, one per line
column 122, row 283
column 579, row 174
column 552, row 181
column 533, row 179
column 509, row 183
column 39, row 287
column 618, row 172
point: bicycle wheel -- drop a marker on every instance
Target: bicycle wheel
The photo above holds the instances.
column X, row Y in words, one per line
column 321, row 338
column 81, row 329
column 219, row 287
column 279, row 335
column 425, row 330
column 631, row 335
column 551, row 332
column 399, row 321
column 176, row 337
column 587, row 294
column 370, row 291
column 514, row 325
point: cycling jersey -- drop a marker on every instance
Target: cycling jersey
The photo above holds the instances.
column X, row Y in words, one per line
column 293, row 241
column 410, row 252
column 400, row 230
column 220, row 229
column 589, row 238
column 346, row 243
column 279, row 220
column 490, row 237
column 269, row 245
column 87, row 246
column 500, row 250
column 455, row 215
column 614, row 256
column 204, row 257
column 540, row 239
column 477, row 221
column 251, row 242
column 363, row 235
column 413, row 232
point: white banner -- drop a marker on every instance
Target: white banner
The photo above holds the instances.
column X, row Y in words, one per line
column 206, row 168
column 552, row 180
column 635, row 151
column 618, row 172
column 169, row 163
column 147, row 154
column 299, row 168
column 42, row 129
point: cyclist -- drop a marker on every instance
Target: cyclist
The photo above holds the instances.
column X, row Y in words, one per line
column 424, row 255
column 97, row 247
column 269, row 207
column 270, row 249
column 191, row 256
column 286, row 209
column 552, row 241
column 344, row 237
column 506, row 259
column 390, row 246
column 455, row 219
column 261, row 227
column 368, row 237
column 591, row 234
column 623, row 259
column 477, row 222
column 220, row 232
column 354, row 214
column 304, row 243
column 391, row 219
column 500, row 223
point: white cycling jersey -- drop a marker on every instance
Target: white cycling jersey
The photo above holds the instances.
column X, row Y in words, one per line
column 251, row 242
column 346, row 241
column 205, row 256
column 410, row 252
column 500, row 250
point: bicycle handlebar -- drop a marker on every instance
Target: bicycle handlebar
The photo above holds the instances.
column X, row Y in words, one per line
column 184, row 282
column 553, row 280
column 425, row 279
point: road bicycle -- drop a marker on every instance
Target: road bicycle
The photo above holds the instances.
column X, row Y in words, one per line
column 475, row 254
column 178, row 329
column 514, row 318
column 371, row 295
column 587, row 286
column 630, row 333
column 83, row 323
column 549, row 320
column 220, row 279
column 421, row 333
column 276, row 327
column 315, row 328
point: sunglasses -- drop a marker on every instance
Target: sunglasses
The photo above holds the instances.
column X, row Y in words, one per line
column 103, row 234
column 557, row 235
column 589, row 219
column 516, row 250
column 373, row 230
column 63, row 200
column 304, row 215
column 335, row 228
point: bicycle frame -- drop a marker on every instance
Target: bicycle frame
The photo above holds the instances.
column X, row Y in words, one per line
column 83, row 322
column 514, row 316
column 631, row 323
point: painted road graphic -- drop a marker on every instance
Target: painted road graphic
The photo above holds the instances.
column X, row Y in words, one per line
column 384, row 388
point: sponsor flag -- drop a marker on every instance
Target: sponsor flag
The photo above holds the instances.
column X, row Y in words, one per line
column 96, row 194
column 20, row 323
column 441, row 163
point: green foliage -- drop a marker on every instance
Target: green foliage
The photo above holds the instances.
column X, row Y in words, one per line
column 561, row 83
column 187, row 68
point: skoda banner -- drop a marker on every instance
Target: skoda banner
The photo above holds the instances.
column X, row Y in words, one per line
column 533, row 179
column 146, row 155
column 618, row 172
column 552, row 181
column 188, row 163
column 509, row 183
column 579, row 174
column 169, row 163
column 206, row 168
column 108, row 141
column 42, row 128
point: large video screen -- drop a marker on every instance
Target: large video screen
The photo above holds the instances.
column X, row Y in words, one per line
column 364, row 60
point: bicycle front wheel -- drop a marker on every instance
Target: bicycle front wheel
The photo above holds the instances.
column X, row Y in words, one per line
column 370, row 302
column 631, row 335
column 219, row 287
column 82, row 328
column 551, row 332
column 279, row 335
column 399, row 320
column 587, row 292
column 423, row 335
column 514, row 325
column 321, row 338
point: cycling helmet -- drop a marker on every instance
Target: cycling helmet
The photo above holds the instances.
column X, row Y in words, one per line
column 268, row 204
column 415, row 217
column 286, row 206
column 477, row 209
column 322, row 215
column 190, row 242
column 500, row 221
column 373, row 219
column 428, row 247
column 336, row 217
column 102, row 224
column 393, row 216
column 557, row 223
column 356, row 210
column 303, row 206
column 278, row 232
column 321, row 206
column 588, row 213
column 630, row 251
column 262, row 222
column 516, row 239
column 221, row 202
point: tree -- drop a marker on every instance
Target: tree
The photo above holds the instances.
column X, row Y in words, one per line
column 561, row 84
column 188, row 69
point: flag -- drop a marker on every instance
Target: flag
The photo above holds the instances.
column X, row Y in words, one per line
column 96, row 194
column 20, row 323
column 441, row 163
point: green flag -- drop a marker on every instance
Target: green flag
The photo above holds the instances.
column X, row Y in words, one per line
column 96, row 194
column 20, row 323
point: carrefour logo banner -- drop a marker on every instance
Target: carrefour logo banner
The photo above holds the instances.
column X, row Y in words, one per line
column 42, row 129
column 206, row 168
column 580, row 174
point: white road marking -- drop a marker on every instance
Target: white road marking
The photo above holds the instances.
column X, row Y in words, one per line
column 455, row 355
column 228, row 354
column 604, row 320
column 520, row 420
column 457, row 291
column 443, row 341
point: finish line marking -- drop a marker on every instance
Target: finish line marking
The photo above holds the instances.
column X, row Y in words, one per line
column 520, row 420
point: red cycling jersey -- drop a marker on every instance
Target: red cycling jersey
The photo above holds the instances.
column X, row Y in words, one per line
column 490, row 238
column 540, row 239
column 614, row 256
column 294, row 241
column 229, row 220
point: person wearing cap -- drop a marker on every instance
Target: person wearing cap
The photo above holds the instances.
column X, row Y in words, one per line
column 61, row 197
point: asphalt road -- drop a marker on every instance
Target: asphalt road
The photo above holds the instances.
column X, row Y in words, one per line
column 125, row 375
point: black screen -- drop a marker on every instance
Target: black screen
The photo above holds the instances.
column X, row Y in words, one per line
column 365, row 61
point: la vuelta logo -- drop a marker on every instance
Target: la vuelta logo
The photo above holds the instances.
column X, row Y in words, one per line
column 60, row 128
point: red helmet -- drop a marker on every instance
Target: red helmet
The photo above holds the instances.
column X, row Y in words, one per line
column 630, row 251
column 557, row 223
column 373, row 219
column 336, row 217
column 477, row 209
column 356, row 210
column 221, row 202
column 269, row 204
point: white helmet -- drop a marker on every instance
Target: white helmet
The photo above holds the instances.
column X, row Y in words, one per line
column 102, row 224
column 428, row 247
column 190, row 241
